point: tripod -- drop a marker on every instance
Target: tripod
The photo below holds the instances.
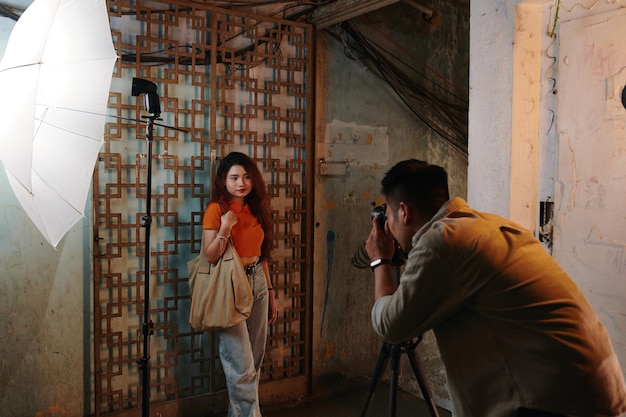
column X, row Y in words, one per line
column 393, row 352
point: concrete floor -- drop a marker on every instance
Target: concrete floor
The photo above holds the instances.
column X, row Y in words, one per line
column 351, row 403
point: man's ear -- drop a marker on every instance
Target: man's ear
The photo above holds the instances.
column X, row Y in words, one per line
column 405, row 213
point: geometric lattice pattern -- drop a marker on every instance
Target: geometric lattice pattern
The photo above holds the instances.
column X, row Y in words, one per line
column 226, row 82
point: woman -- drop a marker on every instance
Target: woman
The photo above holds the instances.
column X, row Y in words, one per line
column 240, row 211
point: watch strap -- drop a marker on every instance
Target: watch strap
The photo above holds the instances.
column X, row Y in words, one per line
column 378, row 262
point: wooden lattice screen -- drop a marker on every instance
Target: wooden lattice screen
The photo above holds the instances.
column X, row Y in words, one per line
column 233, row 81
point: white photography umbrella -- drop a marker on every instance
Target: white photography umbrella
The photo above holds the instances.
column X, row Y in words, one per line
column 55, row 77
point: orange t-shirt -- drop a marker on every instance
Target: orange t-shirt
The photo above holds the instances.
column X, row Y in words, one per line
column 247, row 235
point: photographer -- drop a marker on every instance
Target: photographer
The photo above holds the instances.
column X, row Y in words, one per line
column 516, row 335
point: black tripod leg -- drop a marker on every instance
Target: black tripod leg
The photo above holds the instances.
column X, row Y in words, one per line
column 393, row 383
column 417, row 370
column 383, row 357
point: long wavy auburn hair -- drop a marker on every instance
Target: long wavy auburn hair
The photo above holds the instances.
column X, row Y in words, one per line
column 258, row 200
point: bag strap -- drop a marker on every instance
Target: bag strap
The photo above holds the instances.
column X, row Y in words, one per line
column 202, row 235
column 228, row 240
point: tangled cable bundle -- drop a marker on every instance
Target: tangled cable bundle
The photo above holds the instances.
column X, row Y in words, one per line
column 361, row 259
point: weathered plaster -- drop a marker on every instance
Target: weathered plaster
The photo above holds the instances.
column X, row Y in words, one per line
column 357, row 101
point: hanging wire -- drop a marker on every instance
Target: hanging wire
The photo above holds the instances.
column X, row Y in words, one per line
column 164, row 56
column 330, row 246
column 440, row 109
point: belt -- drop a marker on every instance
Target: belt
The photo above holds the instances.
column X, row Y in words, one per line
column 250, row 269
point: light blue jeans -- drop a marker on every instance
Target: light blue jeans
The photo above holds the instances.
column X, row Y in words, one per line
column 241, row 350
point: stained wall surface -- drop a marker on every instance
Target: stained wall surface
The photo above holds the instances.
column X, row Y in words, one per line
column 362, row 130
column 45, row 309
column 44, row 299
column 580, row 137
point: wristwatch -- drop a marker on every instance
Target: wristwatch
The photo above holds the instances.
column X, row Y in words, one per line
column 379, row 262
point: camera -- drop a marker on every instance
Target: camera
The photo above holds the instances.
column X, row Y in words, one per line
column 379, row 213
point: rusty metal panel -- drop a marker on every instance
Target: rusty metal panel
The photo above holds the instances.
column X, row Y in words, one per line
column 233, row 82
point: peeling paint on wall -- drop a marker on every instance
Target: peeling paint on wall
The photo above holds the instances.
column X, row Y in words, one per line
column 590, row 236
column 358, row 144
column 349, row 202
column 329, row 351
column 602, row 254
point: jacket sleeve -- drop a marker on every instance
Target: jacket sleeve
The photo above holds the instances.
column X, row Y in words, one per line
column 428, row 292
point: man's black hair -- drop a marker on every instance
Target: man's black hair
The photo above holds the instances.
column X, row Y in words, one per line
column 417, row 183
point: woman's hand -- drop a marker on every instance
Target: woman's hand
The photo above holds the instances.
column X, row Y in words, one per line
column 229, row 219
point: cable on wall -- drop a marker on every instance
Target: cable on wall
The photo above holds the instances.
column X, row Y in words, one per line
column 440, row 109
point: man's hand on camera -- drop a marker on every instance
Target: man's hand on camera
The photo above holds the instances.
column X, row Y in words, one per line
column 379, row 244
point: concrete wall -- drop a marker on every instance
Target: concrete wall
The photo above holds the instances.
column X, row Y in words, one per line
column 591, row 246
column 44, row 310
column 44, row 316
column 44, row 293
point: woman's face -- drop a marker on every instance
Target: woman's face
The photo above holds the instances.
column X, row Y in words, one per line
column 238, row 182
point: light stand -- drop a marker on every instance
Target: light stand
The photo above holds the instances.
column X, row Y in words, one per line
column 147, row 329
column 147, row 88
column 151, row 98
